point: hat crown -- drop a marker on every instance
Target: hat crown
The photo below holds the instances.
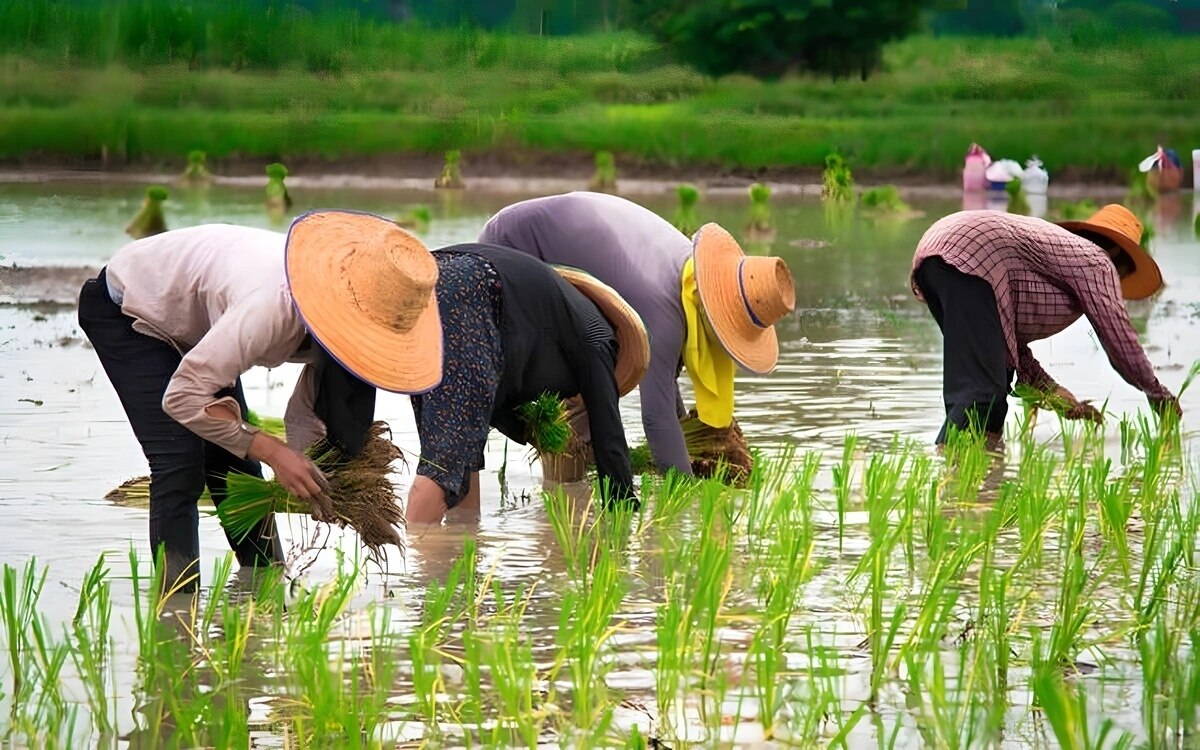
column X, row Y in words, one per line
column 767, row 289
column 1117, row 218
column 390, row 278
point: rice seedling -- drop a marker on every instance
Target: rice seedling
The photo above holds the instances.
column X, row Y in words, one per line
column 451, row 176
column 759, row 227
column 196, row 172
column 604, row 179
column 717, row 452
column 1018, row 201
column 507, row 652
column 837, row 181
column 884, row 199
column 360, row 494
column 546, row 423
column 1078, row 210
column 149, row 219
column 842, row 482
column 686, row 219
column 418, row 219
column 641, row 460
column 92, row 645
column 1066, row 712
column 278, row 198
column 949, row 708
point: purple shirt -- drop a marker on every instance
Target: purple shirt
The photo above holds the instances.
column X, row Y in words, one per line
column 638, row 254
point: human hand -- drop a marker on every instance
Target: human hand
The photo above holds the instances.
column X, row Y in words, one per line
column 1165, row 405
column 297, row 473
column 1076, row 409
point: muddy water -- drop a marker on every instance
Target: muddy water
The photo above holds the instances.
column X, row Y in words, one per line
column 859, row 355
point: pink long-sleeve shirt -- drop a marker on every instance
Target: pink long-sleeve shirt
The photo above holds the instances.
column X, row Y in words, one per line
column 1044, row 279
column 219, row 295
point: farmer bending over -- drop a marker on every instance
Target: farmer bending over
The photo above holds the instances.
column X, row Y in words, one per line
column 706, row 304
column 513, row 329
column 177, row 318
column 995, row 282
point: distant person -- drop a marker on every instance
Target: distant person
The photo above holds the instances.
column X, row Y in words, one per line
column 514, row 329
column 995, row 281
column 177, row 318
column 705, row 303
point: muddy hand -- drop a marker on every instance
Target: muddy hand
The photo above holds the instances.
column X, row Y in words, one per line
column 1164, row 406
column 322, row 508
column 1084, row 410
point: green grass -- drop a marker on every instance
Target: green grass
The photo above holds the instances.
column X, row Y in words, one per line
column 407, row 90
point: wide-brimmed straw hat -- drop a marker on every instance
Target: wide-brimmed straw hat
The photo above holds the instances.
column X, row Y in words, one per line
column 743, row 297
column 634, row 356
column 364, row 288
column 1119, row 224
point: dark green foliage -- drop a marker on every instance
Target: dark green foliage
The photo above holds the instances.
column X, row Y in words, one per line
column 767, row 38
column 981, row 17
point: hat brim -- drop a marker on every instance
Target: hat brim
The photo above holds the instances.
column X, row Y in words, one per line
column 718, row 258
column 322, row 247
column 1146, row 278
column 633, row 359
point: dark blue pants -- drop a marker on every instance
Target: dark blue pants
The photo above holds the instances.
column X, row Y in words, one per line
column 975, row 372
column 181, row 462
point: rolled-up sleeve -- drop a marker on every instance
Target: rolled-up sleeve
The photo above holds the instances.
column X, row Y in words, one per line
column 249, row 334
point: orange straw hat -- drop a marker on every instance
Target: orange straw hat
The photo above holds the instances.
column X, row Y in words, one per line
column 1119, row 224
column 743, row 297
column 364, row 288
column 634, row 342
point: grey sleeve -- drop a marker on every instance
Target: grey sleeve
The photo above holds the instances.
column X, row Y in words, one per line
column 661, row 399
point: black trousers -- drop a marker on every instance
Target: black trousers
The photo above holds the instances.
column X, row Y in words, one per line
column 975, row 373
column 181, row 462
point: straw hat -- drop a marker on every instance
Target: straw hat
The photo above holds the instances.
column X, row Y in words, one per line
column 634, row 355
column 743, row 297
column 1119, row 224
column 364, row 288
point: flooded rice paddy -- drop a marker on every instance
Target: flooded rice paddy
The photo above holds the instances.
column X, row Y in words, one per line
column 857, row 597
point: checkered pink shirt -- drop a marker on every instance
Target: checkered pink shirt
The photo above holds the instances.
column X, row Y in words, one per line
column 1044, row 278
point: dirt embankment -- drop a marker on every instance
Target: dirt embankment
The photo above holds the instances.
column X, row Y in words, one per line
column 42, row 288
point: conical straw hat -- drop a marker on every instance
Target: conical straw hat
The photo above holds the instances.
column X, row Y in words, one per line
column 634, row 342
column 1120, row 225
column 364, row 288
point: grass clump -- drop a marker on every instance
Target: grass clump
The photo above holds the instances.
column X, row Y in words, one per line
column 837, row 183
column 686, row 220
column 149, row 220
column 604, row 179
column 451, row 176
column 547, row 423
column 360, row 495
column 196, row 172
column 278, row 197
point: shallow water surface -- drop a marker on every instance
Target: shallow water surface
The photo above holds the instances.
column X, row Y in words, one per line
column 859, row 355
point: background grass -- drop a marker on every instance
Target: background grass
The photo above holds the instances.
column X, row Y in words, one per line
column 399, row 89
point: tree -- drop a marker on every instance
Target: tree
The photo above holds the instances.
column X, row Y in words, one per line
column 767, row 38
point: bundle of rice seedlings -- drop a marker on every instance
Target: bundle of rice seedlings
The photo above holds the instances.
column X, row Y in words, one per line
column 136, row 492
column 837, row 181
column 759, row 226
column 418, row 218
column 884, row 199
column 277, row 193
column 717, row 451
column 604, row 179
column 1077, row 211
column 685, row 216
column 197, row 171
column 547, row 422
column 1036, row 398
column 149, row 219
column 641, row 460
column 1017, row 201
column 360, row 494
column 451, row 177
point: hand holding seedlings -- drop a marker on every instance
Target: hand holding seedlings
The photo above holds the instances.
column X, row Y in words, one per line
column 1076, row 409
column 1163, row 406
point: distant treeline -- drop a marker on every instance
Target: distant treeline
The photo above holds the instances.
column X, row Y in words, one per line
column 1082, row 20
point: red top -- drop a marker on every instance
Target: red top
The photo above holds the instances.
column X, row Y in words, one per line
column 1044, row 278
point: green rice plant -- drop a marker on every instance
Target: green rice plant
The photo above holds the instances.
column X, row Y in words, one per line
column 1140, row 189
column 604, row 179
column 278, row 198
column 950, row 712
column 641, row 460
column 1113, row 497
column 546, row 423
column 842, row 482
column 884, row 199
column 759, row 226
column 1018, row 201
column 451, row 176
column 509, row 656
column 1066, row 712
column 1078, row 210
column 19, row 594
column 149, row 219
column 196, row 172
column 1036, row 508
column 92, row 645
column 686, row 219
column 837, row 182
column 417, row 219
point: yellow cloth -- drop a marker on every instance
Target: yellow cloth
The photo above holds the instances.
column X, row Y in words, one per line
column 709, row 366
